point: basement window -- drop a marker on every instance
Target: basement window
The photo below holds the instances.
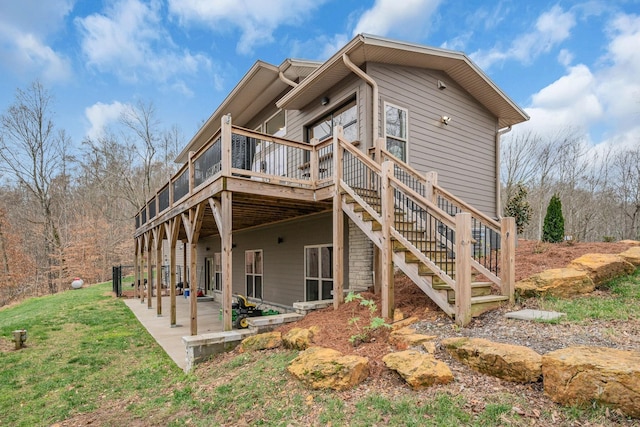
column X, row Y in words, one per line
column 253, row 273
column 318, row 272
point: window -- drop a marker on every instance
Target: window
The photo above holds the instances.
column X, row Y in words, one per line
column 346, row 116
column 269, row 158
column 276, row 125
column 217, row 271
column 318, row 272
column 395, row 129
column 253, row 273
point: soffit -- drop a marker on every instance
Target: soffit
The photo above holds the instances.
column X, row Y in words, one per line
column 259, row 87
column 366, row 48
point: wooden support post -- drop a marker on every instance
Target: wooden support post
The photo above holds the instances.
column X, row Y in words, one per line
column 171, row 230
column 463, row 249
column 158, row 234
column 149, row 270
column 314, row 162
column 379, row 144
column 192, row 223
column 508, row 257
column 386, row 260
column 193, row 287
column 142, row 270
column 226, row 236
column 136, row 266
column 338, row 221
column 430, row 191
column 225, row 140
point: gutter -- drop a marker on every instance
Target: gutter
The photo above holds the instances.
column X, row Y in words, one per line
column 286, row 80
column 374, row 86
column 499, row 133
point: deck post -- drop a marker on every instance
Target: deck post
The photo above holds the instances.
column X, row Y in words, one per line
column 171, row 231
column 147, row 241
column 508, row 237
column 157, row 241
column 463, row 248
column 225, row 141
column 379, row 144
column 192, row 222
column 227, row 259
column 314, row 162
column 142, row 270
column 386, row 259
column 432, row 182
column 136, row 264
column 338, row 221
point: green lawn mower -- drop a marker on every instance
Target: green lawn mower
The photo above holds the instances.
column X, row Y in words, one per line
column 243, row 309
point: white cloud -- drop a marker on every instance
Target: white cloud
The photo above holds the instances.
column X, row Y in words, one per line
column 129, row 41
column 256, row 20
column 406, row 19
column 551, row 28
column 604, row 99
column 24, row 27
column 101, row 115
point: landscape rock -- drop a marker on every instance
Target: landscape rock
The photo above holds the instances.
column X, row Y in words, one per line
column 558, row 282
column 510, row 362
column 603, row 267
column 631, row 242
column 403, row 323
column 632, row 255
column 579, row 375
column 397, row 315
column 324, row 368
column 264, row 341
column 404, row 338
column 419, row 370
column 299, row 338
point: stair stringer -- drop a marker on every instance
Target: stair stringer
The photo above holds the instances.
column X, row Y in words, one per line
column 410, row 269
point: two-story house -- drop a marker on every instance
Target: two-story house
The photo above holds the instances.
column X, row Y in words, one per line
column 313, row 178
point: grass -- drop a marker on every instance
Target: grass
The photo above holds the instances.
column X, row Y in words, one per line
column 87, row 356
column 621, row 302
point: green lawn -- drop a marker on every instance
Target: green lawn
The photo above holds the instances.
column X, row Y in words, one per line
column 88, row 359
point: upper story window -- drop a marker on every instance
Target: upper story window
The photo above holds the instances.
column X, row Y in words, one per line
column 346, row 116
column 276, row 125
column 395, row 130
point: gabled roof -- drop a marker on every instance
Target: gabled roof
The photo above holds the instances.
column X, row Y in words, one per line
column 367, row 48
column 255, row 91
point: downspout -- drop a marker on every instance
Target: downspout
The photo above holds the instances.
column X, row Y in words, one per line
column 499, row 133
column 286, row 80
column 374, row 86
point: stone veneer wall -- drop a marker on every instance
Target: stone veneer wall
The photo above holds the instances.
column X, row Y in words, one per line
column 360, row 259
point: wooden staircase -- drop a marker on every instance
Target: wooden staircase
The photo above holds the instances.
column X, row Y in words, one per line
column 362, row 205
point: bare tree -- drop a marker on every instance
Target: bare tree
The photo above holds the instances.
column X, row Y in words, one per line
column 31, row 154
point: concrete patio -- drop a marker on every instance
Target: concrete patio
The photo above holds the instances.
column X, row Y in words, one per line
column 170, row 338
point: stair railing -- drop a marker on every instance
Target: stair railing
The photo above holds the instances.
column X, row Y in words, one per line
column 493, row 241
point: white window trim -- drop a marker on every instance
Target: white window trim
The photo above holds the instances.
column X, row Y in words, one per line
column 319, row 278
column 254, row 274
column 406, row 138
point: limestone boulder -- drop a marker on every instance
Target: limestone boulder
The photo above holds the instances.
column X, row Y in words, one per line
column 264, row 341
column 557, row 282
column 404, row 338
column 419, row 370
column 580, row 375
column 603, row 267
column 510, row 362
column 326, row 368
column 632, row 255
column 299, row 338
column 403, row 323
column 631, row 242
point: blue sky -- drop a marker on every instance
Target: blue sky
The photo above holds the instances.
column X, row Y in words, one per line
column 567, row 63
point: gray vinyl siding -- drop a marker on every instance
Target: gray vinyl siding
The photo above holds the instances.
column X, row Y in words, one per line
column 297, row 120
column 463, row 153
column 283, row 263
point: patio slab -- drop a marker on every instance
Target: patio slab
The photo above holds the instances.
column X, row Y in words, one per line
column 530, row 314
column 171, row 338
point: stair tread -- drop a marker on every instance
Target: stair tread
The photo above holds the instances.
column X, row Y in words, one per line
column 445, row 286
column 488, row 298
